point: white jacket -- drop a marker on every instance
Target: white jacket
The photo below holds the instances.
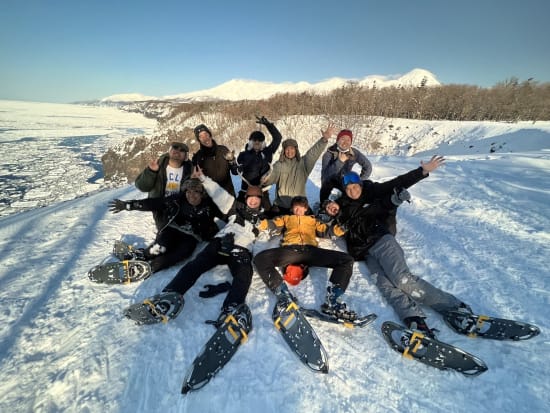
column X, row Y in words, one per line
column 243, row 230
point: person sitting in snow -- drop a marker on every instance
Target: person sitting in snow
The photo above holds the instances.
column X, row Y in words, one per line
column 255, row 161
column 299, row 246
column 369, row 238
column 190, row 219
column 339, row 160
column 291, row 171
column 164, row 176
column 231, row 246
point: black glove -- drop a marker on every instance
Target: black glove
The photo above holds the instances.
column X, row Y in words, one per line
column 226, row 244
column 212, row 290
column 116, row 205
column 400, row 195
column 262, row 120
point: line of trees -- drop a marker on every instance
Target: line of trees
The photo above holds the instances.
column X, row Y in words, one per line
column 508, row 101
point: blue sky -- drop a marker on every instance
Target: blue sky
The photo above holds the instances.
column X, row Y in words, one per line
column 64, row 51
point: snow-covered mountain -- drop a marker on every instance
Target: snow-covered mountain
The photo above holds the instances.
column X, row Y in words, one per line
column 127, row 97
column 241, row 89
column 478, row 227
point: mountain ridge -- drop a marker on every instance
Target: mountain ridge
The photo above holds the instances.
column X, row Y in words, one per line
column 249, row 89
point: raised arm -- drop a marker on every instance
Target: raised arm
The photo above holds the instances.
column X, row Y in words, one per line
column 223, row 199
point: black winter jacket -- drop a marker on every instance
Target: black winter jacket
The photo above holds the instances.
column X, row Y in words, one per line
column 195, row 220
column 253, row 165
column 213, row 164
column 372, row 216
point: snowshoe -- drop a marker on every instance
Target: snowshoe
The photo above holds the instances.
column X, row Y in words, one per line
column 299, row 334
column 120, row 272
column 357, row 321
column 415, row 345
column 230, row 334
column 483, row 326
column 157, row 309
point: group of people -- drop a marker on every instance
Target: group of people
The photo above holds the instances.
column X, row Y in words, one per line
column 190, row 197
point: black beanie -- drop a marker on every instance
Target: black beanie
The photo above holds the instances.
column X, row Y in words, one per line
column 257, row 136
column 200, row 128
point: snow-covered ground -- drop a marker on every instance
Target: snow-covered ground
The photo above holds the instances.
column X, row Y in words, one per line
column 52, row 152
column 478, row 227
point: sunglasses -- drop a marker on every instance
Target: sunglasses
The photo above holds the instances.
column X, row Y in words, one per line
column 180, row 148
column 351, row 178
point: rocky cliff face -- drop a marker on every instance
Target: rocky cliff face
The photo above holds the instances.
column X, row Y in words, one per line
column 374, row 135
column 124, row 162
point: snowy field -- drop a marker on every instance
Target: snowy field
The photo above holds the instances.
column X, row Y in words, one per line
column 52, row 152
column 478, row 227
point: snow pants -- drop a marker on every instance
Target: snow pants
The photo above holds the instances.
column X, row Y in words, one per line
column 178, row 247
column 404, row 291
column 340, row 262
column 239, row 262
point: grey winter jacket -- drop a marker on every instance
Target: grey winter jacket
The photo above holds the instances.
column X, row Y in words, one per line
column 333, row 167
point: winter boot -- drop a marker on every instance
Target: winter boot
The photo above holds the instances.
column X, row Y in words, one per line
column 284, row 298
column 335, row 307
column 239, row 313
column 138, row 254
column 419, row 324
column 461, row 318
column 166, row 304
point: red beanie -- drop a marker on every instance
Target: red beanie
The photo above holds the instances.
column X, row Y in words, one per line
column 345, row 132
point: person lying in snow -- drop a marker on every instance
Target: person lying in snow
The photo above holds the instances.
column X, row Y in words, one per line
column 369, row 238
column 231, row 246
column 190, row 219
column 299, row 246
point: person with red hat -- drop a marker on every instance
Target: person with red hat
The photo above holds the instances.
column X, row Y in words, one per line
column 338, row 160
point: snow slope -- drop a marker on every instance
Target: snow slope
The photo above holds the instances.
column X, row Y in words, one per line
column 479, row 228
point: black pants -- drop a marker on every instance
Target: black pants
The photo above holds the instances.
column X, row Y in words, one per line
column 239, row 263
column 340, row 262
column 179, row 246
